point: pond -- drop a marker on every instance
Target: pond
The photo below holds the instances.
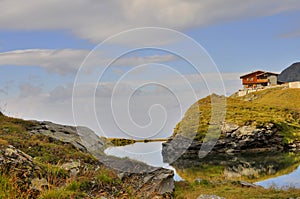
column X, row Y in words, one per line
column 149, row 153
column 266, row 169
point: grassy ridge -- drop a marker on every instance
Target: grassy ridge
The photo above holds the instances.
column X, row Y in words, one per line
column 278, row 106
column 232, row 190
column 49, row 155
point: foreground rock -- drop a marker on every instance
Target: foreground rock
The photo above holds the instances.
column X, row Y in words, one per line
column 146, row 181
column 81, row 137
column 15, row 161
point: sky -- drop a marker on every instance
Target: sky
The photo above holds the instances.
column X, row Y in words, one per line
column 132, row 68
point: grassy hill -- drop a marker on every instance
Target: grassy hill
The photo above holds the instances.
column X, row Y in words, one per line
column 50, row 158
column 279, row 106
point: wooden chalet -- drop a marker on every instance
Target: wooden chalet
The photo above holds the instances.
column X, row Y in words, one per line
column 259, row 79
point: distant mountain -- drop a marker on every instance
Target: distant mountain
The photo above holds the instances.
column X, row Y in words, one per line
column 290, row 74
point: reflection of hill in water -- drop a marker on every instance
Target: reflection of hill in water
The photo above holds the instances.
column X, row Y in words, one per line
column 249, row 167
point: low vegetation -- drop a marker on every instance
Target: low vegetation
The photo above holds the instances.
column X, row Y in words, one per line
column 124, row 142
column 232, row 190
column 91, row 179
column 278, row 106
column 121, row 141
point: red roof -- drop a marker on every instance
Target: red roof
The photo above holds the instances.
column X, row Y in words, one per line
column 268, row 73
column 258, row 71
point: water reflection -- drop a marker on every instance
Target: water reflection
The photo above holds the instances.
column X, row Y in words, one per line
column 289, row 180
column 265, row 169
column 149, row 153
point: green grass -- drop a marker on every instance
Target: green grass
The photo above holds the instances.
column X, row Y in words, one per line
column 8, row 188
column 232, row 190
column 278, row 106
column 121, row 141
column 213, row 170
column 48, row 155
column 14, row 132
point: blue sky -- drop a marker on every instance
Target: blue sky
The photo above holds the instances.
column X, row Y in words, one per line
column 43, row 44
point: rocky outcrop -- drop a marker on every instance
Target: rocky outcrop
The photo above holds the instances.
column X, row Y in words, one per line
column 146, row 181
column 290, row 74
column 248, row 138
column 14, row 161
column 81, row 137
column 234, row 139
column 155, row 184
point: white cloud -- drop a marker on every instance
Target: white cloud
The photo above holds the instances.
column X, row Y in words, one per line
column 61, row 93
column 29, row 90
column 63, row 62
column 96, row 20
column 135, row 61
column 56, row 105
column 67, row 61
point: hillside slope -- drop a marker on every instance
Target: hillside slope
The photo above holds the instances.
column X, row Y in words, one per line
column 46, row 160
column 278, row 107
column 290, row 74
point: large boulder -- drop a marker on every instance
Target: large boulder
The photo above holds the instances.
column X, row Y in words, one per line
column 82, row 138
column 290, row 74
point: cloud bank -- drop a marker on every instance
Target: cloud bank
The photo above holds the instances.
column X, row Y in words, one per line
column 67, row 61
column 96, row 20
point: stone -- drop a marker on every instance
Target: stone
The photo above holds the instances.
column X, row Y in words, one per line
column 39, row 184
column 245, row 131
column 231, row 151
column 198, row 180
column 82, row 138
column 145, row 179
column 72, row 167
column 248, row 184
column 206, row 196
column 269, row 126
column 228, row 127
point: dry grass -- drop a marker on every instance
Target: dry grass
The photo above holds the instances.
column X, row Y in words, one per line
column 281, row 107
column 49, row 154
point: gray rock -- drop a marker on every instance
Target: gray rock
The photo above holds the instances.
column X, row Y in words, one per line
column 198, row 180
column 235, row 139
column 245, row 131
column 147, row 181
column 72, row 167
column 290, row 74
column 248, row 184
column 206, row 196
column 228, row 127
column 82, row 138
column 39, row 184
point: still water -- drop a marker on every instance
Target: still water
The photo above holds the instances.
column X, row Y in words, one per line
column 149, row 153
column 272, row 169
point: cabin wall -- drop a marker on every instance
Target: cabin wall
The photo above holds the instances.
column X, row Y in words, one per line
column 272, row 80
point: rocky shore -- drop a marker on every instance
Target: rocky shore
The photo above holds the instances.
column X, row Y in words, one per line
column 142, row 180
column 234, row 139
